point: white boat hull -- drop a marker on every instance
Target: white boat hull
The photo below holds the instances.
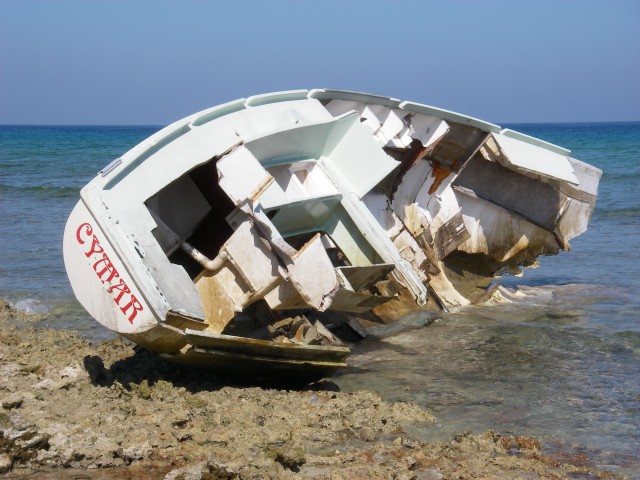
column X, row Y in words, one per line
column 273, row 217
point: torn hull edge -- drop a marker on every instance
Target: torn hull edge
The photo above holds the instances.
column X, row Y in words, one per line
column 255, row 234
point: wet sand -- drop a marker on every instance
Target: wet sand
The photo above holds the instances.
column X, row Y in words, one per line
column 103, row 410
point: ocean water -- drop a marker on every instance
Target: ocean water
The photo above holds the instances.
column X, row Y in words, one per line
column 562, row 362
column 42, row 169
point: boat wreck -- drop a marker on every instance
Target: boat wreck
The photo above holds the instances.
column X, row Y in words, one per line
column 252, row 235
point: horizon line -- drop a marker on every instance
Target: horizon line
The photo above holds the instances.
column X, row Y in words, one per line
column 585, row 122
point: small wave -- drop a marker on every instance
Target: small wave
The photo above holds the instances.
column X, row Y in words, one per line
column 617, row 213
column 43, row 191
column 560, row 294
column 30, row 306
column 630, row 339
column 626, row 176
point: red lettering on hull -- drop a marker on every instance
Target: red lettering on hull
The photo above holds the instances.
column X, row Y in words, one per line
column 106, row 272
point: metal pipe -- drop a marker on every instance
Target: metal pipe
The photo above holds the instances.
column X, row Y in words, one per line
column 212, row 265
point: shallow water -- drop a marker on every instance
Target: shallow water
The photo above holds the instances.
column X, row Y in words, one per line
column 562, row 362
column 542, row 366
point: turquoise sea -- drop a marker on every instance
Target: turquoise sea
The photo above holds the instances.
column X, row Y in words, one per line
column 562, row 363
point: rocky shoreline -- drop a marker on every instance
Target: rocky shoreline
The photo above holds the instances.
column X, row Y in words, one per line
column 107, row 411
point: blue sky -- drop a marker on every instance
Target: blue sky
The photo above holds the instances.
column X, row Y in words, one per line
column 144, row 62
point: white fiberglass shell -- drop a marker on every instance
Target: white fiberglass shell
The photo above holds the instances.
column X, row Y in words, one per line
column 298, row 162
